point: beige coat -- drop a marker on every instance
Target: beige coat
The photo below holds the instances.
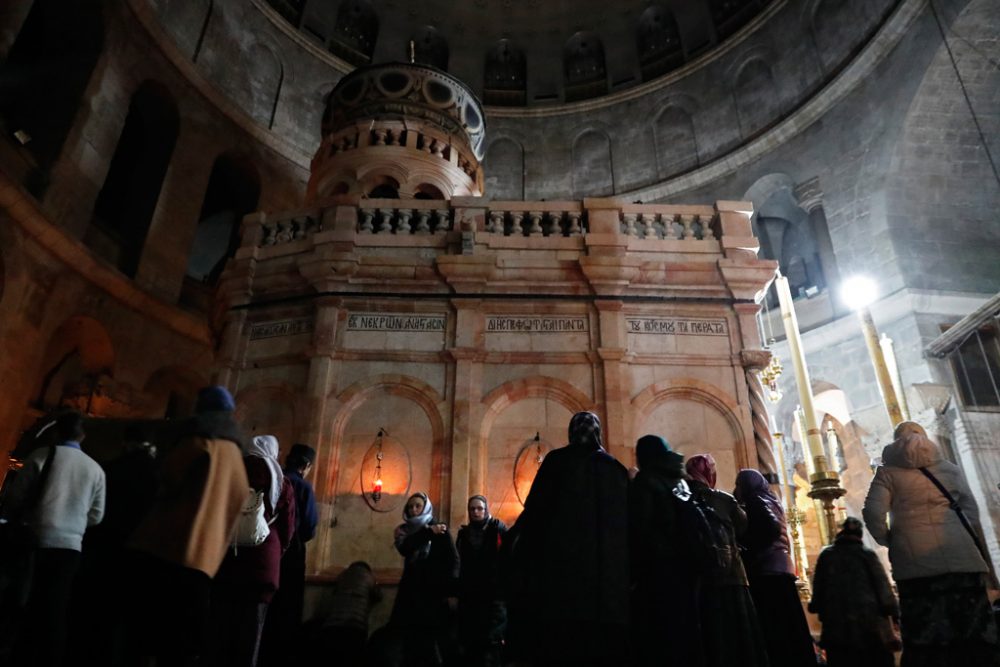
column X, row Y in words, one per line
column 204, row 486
column 926, row 538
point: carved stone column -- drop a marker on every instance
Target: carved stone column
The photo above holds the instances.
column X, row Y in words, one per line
column 753, row 361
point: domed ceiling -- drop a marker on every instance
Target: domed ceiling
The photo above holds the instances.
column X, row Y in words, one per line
column 525, row 52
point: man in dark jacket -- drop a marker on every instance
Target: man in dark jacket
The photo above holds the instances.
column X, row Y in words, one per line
column 284, row 617
column 572, row 553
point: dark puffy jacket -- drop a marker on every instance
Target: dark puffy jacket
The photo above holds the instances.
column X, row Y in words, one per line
column 479, row 566
column 427, row 581
column 765, row 543
column 726, row 507
column 255, row 572
column 852, row 596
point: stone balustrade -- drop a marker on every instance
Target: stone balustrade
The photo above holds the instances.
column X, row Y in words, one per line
column 400, row 216
column 669, row 223
column 292, row 226
column 536, row 219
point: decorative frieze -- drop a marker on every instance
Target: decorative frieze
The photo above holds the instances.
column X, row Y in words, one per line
column 279, row 328
column 416, row 322
column 672, row 326
column 499, row 324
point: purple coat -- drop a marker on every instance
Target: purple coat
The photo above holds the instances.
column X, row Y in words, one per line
column 253, row 573
column 766, row 550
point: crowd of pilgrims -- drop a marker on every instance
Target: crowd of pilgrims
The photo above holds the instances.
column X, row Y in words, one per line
column 604, row 566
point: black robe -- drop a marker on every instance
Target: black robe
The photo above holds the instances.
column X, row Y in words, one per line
column 571, row 556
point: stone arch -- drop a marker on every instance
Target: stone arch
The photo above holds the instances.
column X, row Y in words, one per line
column 676, row 145
column 232, row 191
column 171, row 391
column 512, row 414
column 406, row 407
column 757, row 99
column 45, row 74
column 429, row 48
column 710, row 422
column 658, row 41
column 505, row 78
column 504, row 166
column 79, row 357
column 593, row 166
column 125, row 205
column 584, row 72
column 355, row 31
column 265, row 76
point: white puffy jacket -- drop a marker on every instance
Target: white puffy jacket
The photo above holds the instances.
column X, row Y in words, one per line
column 926, row 537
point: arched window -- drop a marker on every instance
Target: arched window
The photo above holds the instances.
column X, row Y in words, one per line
column 43, row 78
column 730, row 15
column 505, row 76
column 659, row 43
column 429, row 48
column 583, row 67
column 125, row 205
column 355, row 32
column 232, row 192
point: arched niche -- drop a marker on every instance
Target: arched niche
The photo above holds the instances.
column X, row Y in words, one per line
column 696, row 418
column 409, row 412
column 44, row 77
column 505, row 76
column 832, row 21
column 171, row 391
column 78, row 360
column 757, row 99
column 270, row 410
column 429, row 48
column 504, row 167
column 593, row 174
column 355, row 31
column 584, row 71
column 728, row 16
column 125, row 205
column 265, row 75
column 515, row 413
column 658, row 42
column 232, row 192
column 676, row 147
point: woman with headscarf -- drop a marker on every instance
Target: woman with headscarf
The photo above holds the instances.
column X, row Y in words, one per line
column 729, row 621
column 666, row 624
column 249, row 576
column 935, row 546
column 430, row 567
column 572, row 553
column 766, row 557
column 854, row 601
column 481, row 612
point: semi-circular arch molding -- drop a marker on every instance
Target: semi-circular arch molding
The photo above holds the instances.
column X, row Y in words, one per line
column 353, row 397
column 699, row 391
column 538, row 386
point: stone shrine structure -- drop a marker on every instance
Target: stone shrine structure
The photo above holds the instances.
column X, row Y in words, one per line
column 442, row 341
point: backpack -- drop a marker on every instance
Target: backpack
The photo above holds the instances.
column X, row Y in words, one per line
column 251, row 527
column 710, row 544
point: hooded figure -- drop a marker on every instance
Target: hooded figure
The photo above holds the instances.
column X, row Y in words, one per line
column 944, row 612
column 772, row 577
column 666, row 622
column 572, row 553
column 854, row 600
column 482, row 613
column 430, row 568
column 729, row 621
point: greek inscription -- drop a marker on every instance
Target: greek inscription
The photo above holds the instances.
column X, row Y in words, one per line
column 280, row 328
column 395, row 322
column 531, row 324
column 679, row 327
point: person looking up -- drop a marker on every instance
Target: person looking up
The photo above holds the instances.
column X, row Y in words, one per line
column 481, row 612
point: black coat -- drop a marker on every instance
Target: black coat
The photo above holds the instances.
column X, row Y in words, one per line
column 852, row 595
column 479, row 565
column 427, row 582
column 572, row 548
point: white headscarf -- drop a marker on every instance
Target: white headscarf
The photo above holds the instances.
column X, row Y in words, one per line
column 266, row 447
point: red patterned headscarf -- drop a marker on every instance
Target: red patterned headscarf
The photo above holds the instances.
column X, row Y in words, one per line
column 702, row 469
